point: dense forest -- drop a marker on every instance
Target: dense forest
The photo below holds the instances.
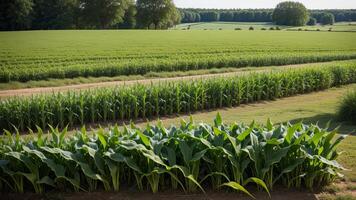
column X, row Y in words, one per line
column 254, row 15
column 128, row 14
column 87, row 14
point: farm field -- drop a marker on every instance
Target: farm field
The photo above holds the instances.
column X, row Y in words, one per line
column 243, row 80
column 177, row 99
column 71, row 54
column 227, row 25
column 78, row 84
column 167, row 98
column 314, row 107
column 339, row 26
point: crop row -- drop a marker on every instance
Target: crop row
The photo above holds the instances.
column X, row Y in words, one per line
column 42, row 71
column 190, row 157
column 167, row 98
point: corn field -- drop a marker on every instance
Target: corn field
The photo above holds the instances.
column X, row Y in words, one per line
column 43, row 55
column 190, row 158
column 168, row 98
column 143, row 66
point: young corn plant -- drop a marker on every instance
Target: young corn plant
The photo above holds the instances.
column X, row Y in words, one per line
column 190, row 157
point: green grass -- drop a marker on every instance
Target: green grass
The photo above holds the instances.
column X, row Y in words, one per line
column 341, row 26
column 40, row 55
column 226, row 25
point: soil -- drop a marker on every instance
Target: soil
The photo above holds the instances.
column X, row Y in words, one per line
column 126, row 195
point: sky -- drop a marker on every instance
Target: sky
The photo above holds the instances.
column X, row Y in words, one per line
column 310, row 4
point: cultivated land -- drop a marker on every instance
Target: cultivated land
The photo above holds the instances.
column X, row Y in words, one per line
column 227, row 25
column 340, row 26
column 79, row 84
column 187, row 67
column 313, row 108
column 70, row 54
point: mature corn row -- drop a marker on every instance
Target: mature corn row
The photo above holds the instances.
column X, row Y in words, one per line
column 190, row 157
column 143, row 66
column 146, row 101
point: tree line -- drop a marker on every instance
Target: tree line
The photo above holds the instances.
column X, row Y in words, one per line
column 87, row 14
column 147, row 14
column 255, row 15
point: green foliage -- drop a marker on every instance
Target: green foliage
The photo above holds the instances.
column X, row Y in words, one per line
column 190, row 15
column 147, row 101
column 157, row 14
column 70, row 54
column 291, row 14
column 103, row 13
column 327, row 19
column 15, row 14
column 129, row 21
column 54, row 14
column 312, row 21
column 347, row 108
column 189, row 157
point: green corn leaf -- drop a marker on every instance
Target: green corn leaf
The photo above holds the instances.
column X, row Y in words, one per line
column 269, row 125
column 144, row 138
column 101, row 137
column 238, row 187
column 218, row 120
column 258, row 182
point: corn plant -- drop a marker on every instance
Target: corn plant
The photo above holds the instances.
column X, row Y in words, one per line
column 152, row 101
column 191, row 157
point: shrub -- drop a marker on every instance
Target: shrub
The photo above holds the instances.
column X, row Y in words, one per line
column 277, row 28
column 271, row 28
column 290, row 13
column 238, row 29
column 347, row 108
column 188, row 157
column 251, row 28
column 327, row 19
column 312, row 21
column 317, row 29
column 263, row 29
column 300, row 29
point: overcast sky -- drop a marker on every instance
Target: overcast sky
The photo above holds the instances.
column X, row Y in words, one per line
column 310, row 4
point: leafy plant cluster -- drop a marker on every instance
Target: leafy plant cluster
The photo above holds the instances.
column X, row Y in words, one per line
column 24, row 71
column 347, row 107
column 166, row 98
column 190, row 157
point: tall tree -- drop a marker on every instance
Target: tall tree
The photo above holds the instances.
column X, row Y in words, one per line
column 327, row 18
column 14, row 14
column 103, row 13
column 291, row 14
column 55, row 14
column 129, row 21
column 156, row 13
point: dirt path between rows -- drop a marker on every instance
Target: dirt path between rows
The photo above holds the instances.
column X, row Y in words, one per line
column 40, row 90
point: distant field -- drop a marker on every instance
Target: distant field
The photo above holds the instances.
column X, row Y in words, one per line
column 40, row 55
column 227, row 25
column 341, row 26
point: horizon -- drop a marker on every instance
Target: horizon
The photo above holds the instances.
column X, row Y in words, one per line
column 262, row 4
